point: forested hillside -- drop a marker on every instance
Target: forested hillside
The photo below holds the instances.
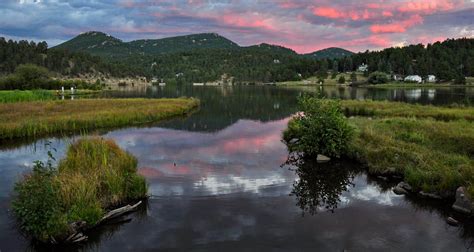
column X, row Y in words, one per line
column 13, row 54
column 447, row 60
column 101, row 44
column 252, row 64
column 331, row 53
column 208, row 56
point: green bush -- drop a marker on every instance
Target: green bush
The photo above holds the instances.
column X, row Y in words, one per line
column 341, row 80
column 321, row 128
column 38, row 204
column 378, row 78
column 353, row 77
column 94, row 176
column 30, row 76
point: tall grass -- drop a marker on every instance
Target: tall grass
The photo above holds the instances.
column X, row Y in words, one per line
column 399, row 109
column 33, row 119
column 94, row 176
column 25, row 96
column 432, row 147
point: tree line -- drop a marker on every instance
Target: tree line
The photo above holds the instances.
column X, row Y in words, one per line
column 16, row 53
column 447, row 60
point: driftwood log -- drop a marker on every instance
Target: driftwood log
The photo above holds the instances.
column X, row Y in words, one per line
column 119, row 212
column 77, row 227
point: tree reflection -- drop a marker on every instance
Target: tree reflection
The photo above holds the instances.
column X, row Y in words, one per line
column 320, row 185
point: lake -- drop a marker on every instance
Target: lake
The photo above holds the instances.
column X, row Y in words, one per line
column 218, row 181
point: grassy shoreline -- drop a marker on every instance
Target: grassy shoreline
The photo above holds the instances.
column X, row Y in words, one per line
column 432, row 148
column 12, row 96
column 39, row 118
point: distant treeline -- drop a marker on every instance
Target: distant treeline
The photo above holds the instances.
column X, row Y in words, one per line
column 243, row 64
column 446, row 60
column 13, row 54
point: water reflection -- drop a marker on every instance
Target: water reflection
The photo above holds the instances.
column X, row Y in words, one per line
column 320, row 185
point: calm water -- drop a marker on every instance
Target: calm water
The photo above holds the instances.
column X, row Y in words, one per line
column 217, row 183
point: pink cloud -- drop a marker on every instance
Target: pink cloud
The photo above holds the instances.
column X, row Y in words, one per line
column 328, row 12
column 427, row 6
column 398, row 27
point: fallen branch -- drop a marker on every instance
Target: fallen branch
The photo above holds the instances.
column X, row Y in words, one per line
column 119, row 212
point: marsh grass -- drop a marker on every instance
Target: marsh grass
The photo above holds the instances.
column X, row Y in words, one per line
column 94, row 176
column 34, row 119
column 432, row 147
column 25, row 95
column 398, row 109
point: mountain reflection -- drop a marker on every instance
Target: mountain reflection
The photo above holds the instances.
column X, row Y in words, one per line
column 320, row 185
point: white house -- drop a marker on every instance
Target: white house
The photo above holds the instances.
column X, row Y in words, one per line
column 431, row 78
column 363, row 68
column 413, row 78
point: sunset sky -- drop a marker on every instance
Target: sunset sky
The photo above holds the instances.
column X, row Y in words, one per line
column 302, row 25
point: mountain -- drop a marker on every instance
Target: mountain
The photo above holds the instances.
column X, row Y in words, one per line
column 93, row 42
column 331, row 53
column 101, row 44
column 264, row 47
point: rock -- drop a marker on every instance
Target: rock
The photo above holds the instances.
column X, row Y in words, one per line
column 463, row 203
column 430, row 195
column 322, row 159
column 451, row 221
column 382, row 178
column 405, row 186
column 399, row 191
column 293, row 141
column 402, row 188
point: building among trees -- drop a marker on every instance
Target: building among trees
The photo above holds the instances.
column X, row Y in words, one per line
column 413, row 78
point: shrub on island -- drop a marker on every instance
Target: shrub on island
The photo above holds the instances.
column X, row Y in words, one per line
column 94, row 177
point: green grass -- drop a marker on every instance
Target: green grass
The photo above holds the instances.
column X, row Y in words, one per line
column 34, row 119
column 12, row 96
column 95, row 175
column 432, row 147
column 399, row 109
column 327, row 82
column 25, row 96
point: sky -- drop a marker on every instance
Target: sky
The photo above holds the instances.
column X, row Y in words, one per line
column 301, row 25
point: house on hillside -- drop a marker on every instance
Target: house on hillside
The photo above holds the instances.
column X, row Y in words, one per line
column 431, row 78
column 414, row 78
column 363, row 68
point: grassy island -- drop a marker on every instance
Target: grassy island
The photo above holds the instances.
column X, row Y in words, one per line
column 431, row 148
column 94, row 177
column 33, row 119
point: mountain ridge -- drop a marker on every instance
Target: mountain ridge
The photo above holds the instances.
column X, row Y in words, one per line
column 101, row 44
column 331, row 53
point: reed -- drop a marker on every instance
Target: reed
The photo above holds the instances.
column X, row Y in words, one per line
column 34, row 119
